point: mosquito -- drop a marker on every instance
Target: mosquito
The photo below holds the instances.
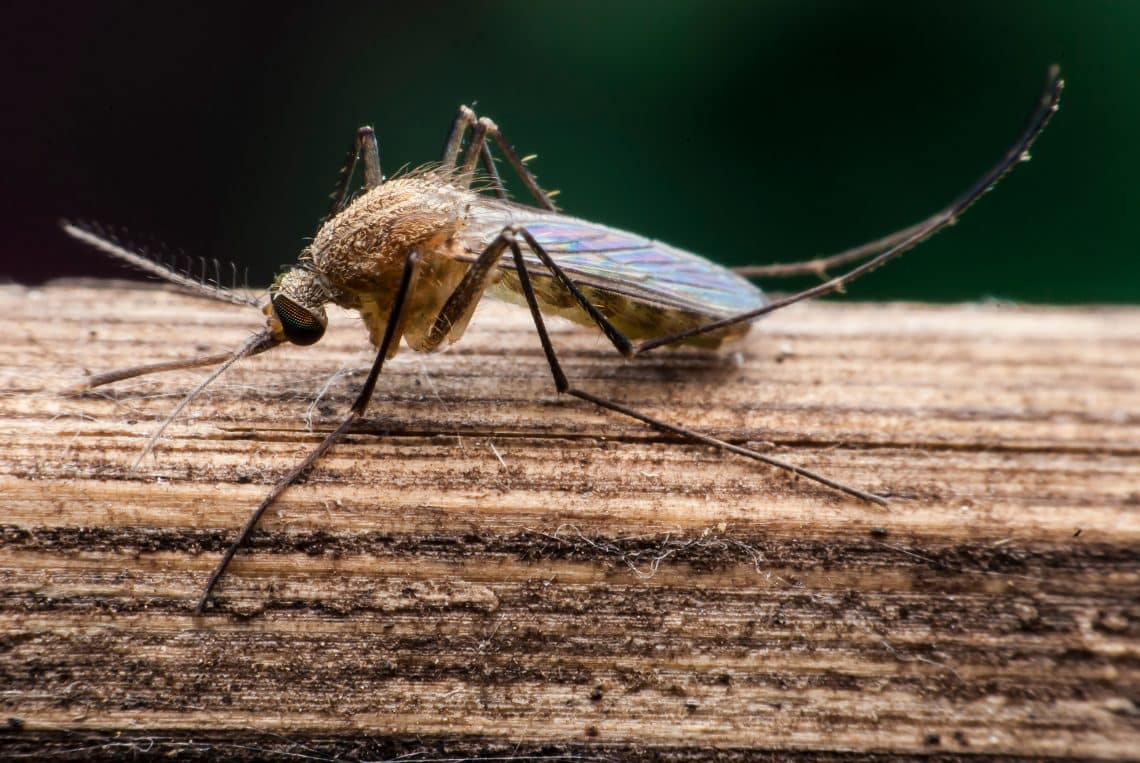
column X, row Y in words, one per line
column 414, row 254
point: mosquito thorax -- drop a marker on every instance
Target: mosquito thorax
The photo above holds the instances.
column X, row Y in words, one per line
column 296, row 312
column 362, row 249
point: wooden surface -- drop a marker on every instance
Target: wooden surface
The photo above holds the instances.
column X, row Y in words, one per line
column 489, row 569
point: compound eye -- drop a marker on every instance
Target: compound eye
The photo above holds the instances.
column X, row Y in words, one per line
column 301, row 325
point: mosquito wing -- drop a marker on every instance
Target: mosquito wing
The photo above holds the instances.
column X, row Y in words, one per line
column 649, row 287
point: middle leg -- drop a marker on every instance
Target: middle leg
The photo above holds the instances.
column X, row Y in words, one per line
column 563, row 385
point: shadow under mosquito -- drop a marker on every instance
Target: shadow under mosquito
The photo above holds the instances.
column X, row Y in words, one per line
column 425, row 400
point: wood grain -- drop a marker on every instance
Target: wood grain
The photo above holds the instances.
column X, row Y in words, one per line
column 487, row 569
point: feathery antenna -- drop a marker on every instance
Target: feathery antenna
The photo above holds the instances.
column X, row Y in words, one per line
column 202, row 284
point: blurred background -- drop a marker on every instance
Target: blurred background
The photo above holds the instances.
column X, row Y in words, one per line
column 747, row 132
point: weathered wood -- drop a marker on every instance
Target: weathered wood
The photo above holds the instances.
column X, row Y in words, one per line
column 488, row 568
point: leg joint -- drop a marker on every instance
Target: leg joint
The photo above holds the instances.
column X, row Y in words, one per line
column 489, row 125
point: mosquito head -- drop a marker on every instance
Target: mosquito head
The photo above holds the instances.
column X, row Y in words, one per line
column 296, row 311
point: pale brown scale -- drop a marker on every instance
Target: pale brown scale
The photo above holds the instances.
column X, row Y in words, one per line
column 357, row 257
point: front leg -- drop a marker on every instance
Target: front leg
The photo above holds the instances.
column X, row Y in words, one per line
column 355, row 413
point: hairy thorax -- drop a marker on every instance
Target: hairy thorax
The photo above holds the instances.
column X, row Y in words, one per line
column 359, row 254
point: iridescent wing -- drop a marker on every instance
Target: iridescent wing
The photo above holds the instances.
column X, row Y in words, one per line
column 613, row 261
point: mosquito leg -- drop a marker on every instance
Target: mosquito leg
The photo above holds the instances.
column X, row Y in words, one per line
column 491, row 170
column 518, row 164
column 364, row 149
column 474, row 282
column 370, row 154
column 466, row 293
column 562, row 384
column 1017, row 153
column 818, row 266
column 483, row 125
column 620, row 341
column 466, row 118
column 358, row 409
column 895, row 244
column 1040, row 116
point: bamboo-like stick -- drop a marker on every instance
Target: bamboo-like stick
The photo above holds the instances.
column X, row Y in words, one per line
column 490, row 569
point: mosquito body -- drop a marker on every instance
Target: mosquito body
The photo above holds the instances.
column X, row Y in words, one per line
column 642, row 287
column 413, row 255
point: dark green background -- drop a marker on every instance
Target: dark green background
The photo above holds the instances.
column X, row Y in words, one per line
column 747, row 132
